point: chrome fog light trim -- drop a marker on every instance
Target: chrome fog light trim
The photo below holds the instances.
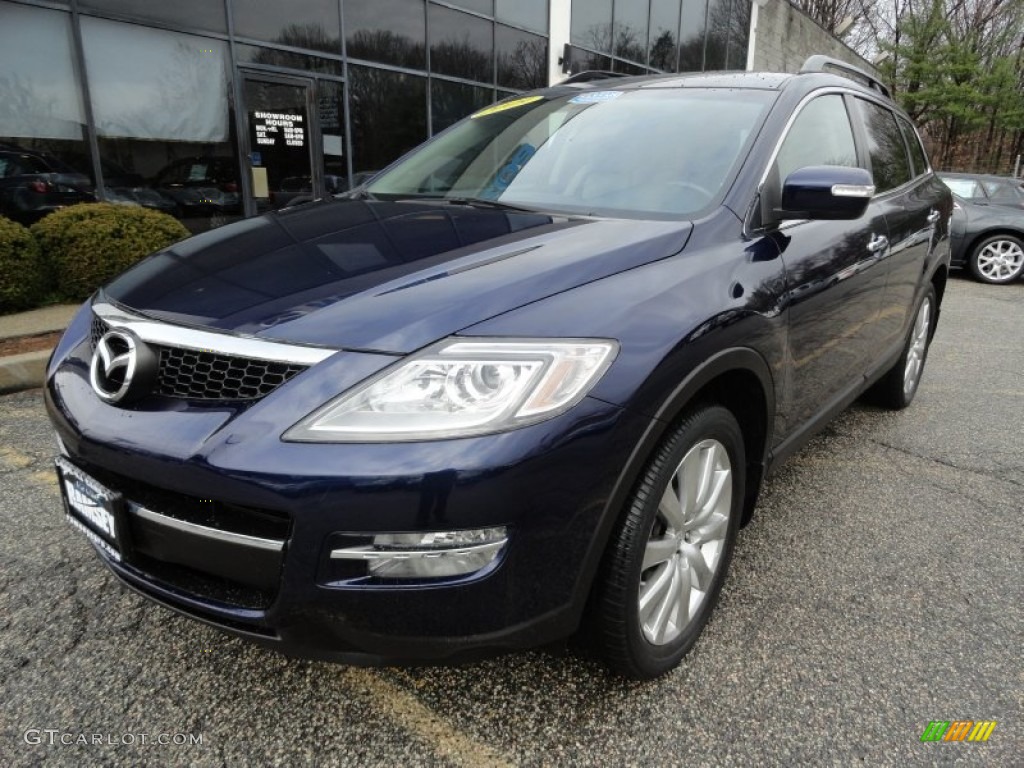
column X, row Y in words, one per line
column 434, row 554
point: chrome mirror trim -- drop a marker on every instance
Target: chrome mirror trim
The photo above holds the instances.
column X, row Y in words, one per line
column 853, row 190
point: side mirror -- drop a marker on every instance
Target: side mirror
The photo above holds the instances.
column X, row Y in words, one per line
column 826, row 192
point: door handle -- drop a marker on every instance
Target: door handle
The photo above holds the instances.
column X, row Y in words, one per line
column 878, row 243
column 933, row 217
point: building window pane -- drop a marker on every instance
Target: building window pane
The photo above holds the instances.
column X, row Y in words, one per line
column 312, row 24
column 718, row 34
column 38, row 87
column 532, row 14
column 739, row 35
column 44, row 163
column 450, row 102
column 331, row 109
column 592, row 24
column 150, row 84
column 585, row 61
column 388, row 31
column 480, row 6
column 691, row 35
column 630, row 29
column 522, row 59
column 628, row 68
column 662, row 41
column 198, row 14
column 389, row 116
column 274, row 57
column 161, row 105
column 461, row 45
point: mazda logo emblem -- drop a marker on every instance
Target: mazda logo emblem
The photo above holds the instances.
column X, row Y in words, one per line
column 123, row 368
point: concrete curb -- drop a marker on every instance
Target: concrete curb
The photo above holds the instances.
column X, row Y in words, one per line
column 24, row 371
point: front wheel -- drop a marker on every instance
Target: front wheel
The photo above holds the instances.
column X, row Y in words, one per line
column 668, row 557
column 998, row 259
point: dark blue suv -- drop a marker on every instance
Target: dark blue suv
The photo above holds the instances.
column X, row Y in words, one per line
column 527, row 381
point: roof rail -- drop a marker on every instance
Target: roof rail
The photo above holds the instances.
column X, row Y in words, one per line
column 592, row 74
column 820, row 63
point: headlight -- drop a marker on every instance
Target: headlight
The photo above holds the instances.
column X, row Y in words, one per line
column 460, row 388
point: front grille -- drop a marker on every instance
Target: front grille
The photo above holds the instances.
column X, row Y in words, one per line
column 249, row 521
column 96, row 331
column 207, row 375
column 216, row 579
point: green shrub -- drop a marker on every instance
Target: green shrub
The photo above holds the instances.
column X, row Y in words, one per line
column 25, row 277
column 90, row 243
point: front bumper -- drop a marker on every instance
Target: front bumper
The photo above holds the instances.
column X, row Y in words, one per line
column 548, row 484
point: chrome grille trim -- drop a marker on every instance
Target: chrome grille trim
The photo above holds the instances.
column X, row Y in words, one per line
column 165, row 334
column 274, row 545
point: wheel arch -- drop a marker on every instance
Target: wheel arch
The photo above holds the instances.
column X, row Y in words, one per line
column 986, row 234
column 727, row 378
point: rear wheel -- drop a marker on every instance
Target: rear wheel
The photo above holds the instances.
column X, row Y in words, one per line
column 998, row 259
column 897, row 388
column 667, row 560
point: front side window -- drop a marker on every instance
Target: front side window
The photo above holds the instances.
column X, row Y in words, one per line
column 660, row 152
column 820, row 135
column 890, row 164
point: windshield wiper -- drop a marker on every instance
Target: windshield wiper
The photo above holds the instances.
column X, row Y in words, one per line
column 359, row 193
column 480, row 202
column 471, row 202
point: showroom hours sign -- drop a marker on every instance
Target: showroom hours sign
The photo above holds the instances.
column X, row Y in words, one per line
column 277, row 129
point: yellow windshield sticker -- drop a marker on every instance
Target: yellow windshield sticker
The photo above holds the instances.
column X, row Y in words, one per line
column 507, row 105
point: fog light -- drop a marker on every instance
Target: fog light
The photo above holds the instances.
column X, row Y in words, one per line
column 428, row 555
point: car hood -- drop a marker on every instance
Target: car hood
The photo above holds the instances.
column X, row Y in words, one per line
column 381, row 276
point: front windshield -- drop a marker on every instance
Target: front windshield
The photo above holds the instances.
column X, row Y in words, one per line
column 646, row 152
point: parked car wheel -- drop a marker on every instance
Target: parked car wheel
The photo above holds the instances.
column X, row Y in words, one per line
column 897, row 388
column 998, row 259
column 667, row 560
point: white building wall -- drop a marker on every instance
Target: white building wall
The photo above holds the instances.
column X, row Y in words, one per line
column 560, row 17
column 782, row 37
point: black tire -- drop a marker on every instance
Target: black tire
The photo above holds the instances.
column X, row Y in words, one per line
column 997, row 260
column 621, row 632
column 892, row 390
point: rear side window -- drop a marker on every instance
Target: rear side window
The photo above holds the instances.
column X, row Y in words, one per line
column 20, row 165
column 968, row 188
column 890, row 164
column 1002, row 189
column 914, row 144
column 820, row 135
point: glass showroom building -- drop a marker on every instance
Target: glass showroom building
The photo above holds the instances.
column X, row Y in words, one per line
column 215, row 109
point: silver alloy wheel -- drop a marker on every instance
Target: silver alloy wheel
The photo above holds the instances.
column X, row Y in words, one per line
column 686, row 542
column 918, row 346
column 1000, row 260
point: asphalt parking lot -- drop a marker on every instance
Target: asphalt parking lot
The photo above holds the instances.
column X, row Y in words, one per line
column 878, row 588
